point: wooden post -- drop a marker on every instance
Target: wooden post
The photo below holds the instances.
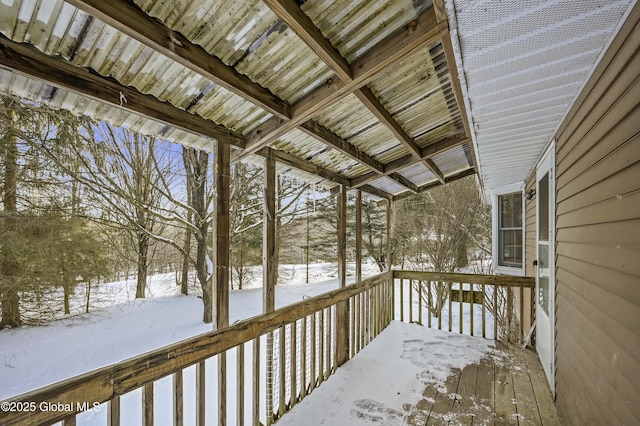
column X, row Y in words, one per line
column 359, row 236
column 342, row 308
column 269, row 266
column 388, row 235
column 222, row 265
column 269, row 269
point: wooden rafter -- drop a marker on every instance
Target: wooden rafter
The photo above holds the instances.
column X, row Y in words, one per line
column 409, row 160
column 365, row 69
column 463, row 174
column 336, row 142
column 289, row 12
column 27, row 60
column 127, row 17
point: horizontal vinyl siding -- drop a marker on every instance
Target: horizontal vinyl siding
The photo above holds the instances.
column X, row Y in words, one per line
column 598, row 243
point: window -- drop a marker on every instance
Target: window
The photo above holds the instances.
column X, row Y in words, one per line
column 508, row 230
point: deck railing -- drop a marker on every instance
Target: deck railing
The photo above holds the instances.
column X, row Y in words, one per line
column 280, row 357
column 265, row 365
column 493, row 306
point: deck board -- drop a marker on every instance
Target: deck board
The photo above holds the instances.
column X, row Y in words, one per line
column 504, row 386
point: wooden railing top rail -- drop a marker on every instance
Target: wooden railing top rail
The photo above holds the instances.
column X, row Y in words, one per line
column 106, row 383
column 501, row 280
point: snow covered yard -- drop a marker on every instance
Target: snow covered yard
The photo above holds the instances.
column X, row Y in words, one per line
column 33, row 357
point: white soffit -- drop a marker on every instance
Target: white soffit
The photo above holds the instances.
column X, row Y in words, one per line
column 522, row 64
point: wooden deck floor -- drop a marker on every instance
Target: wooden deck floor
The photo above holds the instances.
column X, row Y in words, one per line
column 508, row 390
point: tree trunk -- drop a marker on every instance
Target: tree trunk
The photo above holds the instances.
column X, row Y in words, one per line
column 196, row 163
column 10, row 267
column 143, row 250
column 184, row 283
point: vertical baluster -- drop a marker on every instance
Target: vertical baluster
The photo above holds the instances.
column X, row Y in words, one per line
column 393, row 298
column 495, row 312
column 113, row 413
column 321, row 348
column 312, row 358
column 484, row 316
column 352, row 328
column 410, row 301
column 473, row 300
column 420, row 302
column 330, row 353
column 461, row 305
column 522, row 330
column 282, row 384
column 240, row 384
column 509, row 313
column 256, row 382
column 222, row 388
column 449, row 286
column 69, row 421
column 303, row 358
column 147, row 404
column 429, row 305
column 200, row 393
column 402, row 300
column 178, row 410
column 293, row 350
column 269, row 378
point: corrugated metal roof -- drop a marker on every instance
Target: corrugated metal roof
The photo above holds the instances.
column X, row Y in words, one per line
column 256, row 44
column 523, row 64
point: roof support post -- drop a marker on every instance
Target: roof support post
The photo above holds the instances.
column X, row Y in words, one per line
column 389, row 212
column 269, row 265
column 342, row 308
column 359, row 236
column 222, row 264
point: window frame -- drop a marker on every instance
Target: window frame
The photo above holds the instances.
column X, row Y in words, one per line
column 497, row 193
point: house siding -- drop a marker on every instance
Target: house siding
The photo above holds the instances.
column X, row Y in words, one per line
column 598, row 242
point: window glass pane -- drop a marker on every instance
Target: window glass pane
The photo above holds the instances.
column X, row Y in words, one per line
column 510, row 230
column 511, row 211
column 543, row 208
column 510, row 248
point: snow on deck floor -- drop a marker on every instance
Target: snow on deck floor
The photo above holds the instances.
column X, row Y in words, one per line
column 385, row 381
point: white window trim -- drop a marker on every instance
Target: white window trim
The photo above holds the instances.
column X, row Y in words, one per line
column 495, row 193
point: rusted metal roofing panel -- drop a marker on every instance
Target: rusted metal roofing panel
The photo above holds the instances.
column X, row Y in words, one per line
column 249, row 37
column 88, row 42
column 35, row 91
column 353, row 27
column 453, row 160
column 418, row 174
column 309, row 148
column 352, row 121
column 418, row 93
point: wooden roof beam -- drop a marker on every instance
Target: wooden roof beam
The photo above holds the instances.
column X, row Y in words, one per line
column 468, row 172
column 292, row 15
column 326, row 136
column 128, row 18
column 365, row 69
column 409, row 160
column 25, row 59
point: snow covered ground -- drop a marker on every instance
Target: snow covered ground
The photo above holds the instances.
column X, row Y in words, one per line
column 33, row 357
